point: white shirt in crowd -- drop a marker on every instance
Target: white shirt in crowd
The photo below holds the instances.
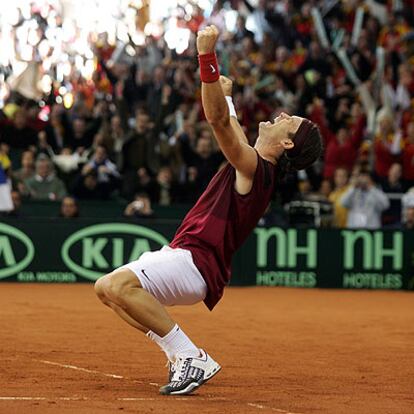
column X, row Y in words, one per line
column 365, row 207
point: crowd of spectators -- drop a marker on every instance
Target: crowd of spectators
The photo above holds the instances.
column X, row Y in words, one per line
column 134, row 129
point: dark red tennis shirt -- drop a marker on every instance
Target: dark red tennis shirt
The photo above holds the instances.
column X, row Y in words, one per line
column 220, row 222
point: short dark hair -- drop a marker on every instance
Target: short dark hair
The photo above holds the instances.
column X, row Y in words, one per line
column 308, row 148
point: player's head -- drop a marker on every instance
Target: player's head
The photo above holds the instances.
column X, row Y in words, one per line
column 297, row 139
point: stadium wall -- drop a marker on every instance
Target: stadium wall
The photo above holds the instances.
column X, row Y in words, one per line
column 56, row 250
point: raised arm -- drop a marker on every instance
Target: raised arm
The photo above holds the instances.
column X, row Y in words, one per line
column 240, row 155
column 227, row 87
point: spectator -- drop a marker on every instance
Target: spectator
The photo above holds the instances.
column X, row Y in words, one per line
column 204, row 159
column 118, row 136
column 365, row 203
column 140, row 207
column 157, row 88
column 387, row 145
column 6, row 203
column 341, row 148
column 69, row 208
column 105, row 169
column 340, row 213
column 17, row 204
column 58, row 129
column 407, row 201
column 141, row 182
column 136, row 148
column 189, row 188
column 80, row 137
column 167, row 190
column 409, row 219
column 265, row 20
column 67, row 164
column 325, row 190
column 32, row 112
column 408, row 156
column 27, row 169
column 305, row 190
column 316, row 61
column 86, row 187
column 17, row 133
column 241, row 32
column 45, row 185
column 393, row 185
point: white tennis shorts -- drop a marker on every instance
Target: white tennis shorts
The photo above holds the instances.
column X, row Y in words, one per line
column 170, row 275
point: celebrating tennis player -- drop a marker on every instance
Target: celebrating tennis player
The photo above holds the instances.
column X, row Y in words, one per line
column 196, row 266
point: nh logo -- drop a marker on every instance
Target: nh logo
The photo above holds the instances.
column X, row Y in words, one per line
column 373, row 251
column 287, row 248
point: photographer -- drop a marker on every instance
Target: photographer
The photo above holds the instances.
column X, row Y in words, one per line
column 365, row 202
column 140, row 207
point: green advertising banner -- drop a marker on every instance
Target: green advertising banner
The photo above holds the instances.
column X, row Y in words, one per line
column 56, row 250
column 357, row 259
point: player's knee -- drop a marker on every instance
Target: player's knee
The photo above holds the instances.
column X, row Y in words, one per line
column 117, row 285
column 101, row 287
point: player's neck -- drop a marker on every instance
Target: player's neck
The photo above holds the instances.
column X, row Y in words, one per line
column 266, row 154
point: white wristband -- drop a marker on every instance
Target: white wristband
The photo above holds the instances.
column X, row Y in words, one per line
column 230, row 104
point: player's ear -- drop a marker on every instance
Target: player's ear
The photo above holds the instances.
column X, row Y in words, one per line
column 287, row 144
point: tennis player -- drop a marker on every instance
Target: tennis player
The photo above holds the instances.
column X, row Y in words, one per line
column 196, row 266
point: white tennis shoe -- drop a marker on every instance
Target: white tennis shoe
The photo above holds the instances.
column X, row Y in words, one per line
column 189, row 373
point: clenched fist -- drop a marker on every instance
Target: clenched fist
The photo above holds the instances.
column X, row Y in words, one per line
column 206, row 40
column 226, row 85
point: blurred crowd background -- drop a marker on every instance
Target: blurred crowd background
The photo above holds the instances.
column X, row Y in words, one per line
column 100, row 100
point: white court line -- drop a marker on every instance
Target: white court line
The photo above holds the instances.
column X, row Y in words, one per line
column 264, row 407
column 90, row 371
column 21, row 398
column 118, row 399
column 43, row 398
column 175, row 398
column 258, row 406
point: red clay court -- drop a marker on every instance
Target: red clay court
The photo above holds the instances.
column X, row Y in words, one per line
column 282, row 351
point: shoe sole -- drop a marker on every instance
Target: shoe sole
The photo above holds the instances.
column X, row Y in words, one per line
column 194, row 385
column 188, row 390
column 211, row 374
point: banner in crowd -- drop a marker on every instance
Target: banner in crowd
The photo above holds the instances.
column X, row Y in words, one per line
column 50, row 250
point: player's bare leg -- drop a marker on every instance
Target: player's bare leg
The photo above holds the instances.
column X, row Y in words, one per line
column 122, row 291
column 119, row 311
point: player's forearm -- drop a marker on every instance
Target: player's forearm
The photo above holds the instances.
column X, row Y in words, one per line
column 214, row 104
column 238, row 129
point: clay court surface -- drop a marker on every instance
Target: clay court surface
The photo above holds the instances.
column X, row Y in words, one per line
column 282, row 351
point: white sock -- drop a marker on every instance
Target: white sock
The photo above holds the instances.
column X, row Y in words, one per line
column 175, row 343
column 158, row 340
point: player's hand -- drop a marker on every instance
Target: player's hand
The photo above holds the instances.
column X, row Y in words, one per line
column 207, row 39
column 226, row 85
